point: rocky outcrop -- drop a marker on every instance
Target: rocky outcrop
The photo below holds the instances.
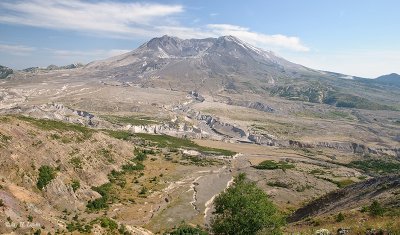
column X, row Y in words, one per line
column 58, row 192
column 262, row 139
column 60, row 112
column 10, row 99
column 196, row 96
column 221, row 128
column 70, row 66
column 170, row 128
column 253, row 105
column 349, row 147
column 5, row 71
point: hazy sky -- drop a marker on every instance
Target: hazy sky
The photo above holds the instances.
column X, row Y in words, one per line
column 356, row 37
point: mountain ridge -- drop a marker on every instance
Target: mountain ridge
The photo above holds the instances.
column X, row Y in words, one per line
column 390, row 79
column 212, row 63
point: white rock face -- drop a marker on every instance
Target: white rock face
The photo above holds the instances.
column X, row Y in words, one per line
column 60, row 112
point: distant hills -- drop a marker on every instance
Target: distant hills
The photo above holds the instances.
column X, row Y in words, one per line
column 5, row 71
column 390, row 79
column 54, row 67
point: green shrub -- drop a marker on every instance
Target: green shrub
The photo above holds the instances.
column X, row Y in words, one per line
column 375, row 209
column 77, row 226
column 339, row 217
column 122, row 135
column 106, row 222
column 46, row 174
column 140, row 155
column 97, row 204
column 76, row 162
column 185, row 229
column 245, row 209
column 75, row 185
column 100, row 203
column 133, row 167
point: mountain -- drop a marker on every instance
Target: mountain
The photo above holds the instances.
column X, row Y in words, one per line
column 212, row 63
column 5, row 71
column 227, row 64
column 390, row 79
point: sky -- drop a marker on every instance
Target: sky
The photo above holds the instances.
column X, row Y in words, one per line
column 357, row 37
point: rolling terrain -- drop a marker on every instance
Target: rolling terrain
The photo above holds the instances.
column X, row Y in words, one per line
column 145, row 140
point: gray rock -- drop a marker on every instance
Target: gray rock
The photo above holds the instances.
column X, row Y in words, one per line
column 5, row 72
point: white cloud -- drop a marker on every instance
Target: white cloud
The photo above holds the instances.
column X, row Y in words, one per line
column 16, row 49
column 185, row 32
column 111, row 17
column 259, row 39
column 128, row 20
column 269, row 42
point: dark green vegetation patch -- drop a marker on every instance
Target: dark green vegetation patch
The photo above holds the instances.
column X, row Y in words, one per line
column 46, row 174
column 165, row 141
column 245, row 209
column 351, row 101
column 121, row 135
column 102, row 202
column 321, row 93
column 272, row 165
column 46, row 124
column 185, row 229
column 377, row 166
column 133, row 120
column 75, row 185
